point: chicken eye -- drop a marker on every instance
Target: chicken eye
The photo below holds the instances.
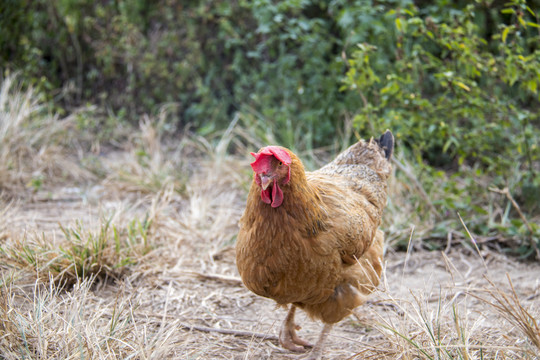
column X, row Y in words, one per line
column 280, row 163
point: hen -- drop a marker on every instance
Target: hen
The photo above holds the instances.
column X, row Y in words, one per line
column 311, row 239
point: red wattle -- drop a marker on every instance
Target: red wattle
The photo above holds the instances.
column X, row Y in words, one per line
column 265, row 196
column 277, row 195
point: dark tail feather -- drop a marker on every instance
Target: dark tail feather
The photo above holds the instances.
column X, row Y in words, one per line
column 386, row 142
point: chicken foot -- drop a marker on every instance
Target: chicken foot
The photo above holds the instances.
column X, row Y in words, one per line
column 287, row 334
column 316, row 352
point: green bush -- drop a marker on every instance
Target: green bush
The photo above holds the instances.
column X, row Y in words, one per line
column 451, row 94
column 212, row 58
column 461, row 93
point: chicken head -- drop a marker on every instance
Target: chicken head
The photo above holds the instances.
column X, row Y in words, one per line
column 272, row 170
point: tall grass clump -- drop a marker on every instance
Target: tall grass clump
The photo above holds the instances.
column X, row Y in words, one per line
column 107, row 252
column 32, row 141
column 155, row 158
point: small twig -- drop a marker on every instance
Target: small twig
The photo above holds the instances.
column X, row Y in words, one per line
column 231, row 280
column 218, row 255
column 407, row 257
column 385, row 305
column 506, row 193
column 240, row 333
column 448, row 242
column 58, row 200
column 451, row 296
column 190, row 327
column 450, row 266
column 473, row 240
column 418, row 186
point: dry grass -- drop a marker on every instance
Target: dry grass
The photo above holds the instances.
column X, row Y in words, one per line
column 146, row 166
column 32, row 142
column 510, row 307
column 452, row 324
column 79, row 253
column 146, row 271
column 7, row 211
column 47, row 323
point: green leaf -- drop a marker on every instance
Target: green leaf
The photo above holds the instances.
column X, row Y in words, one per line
column 408, row 12
column 399, row 26
column 505, row 34
column 451, row 141
column 532, row 85
column 463, row 86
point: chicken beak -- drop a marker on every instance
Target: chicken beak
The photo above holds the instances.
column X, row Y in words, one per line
column 265, row 181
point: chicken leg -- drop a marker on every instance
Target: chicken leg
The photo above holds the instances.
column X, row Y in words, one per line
column 287, row 334
column 316, row 352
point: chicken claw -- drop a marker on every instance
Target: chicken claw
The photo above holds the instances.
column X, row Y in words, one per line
column 287, row 334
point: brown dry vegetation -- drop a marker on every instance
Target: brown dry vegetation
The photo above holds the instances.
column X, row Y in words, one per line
column 139, row 263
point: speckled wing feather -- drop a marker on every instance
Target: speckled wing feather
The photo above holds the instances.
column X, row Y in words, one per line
column 366, row 167
column 360, row 173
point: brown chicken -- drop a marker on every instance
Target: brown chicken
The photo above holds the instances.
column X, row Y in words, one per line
column 311, row 239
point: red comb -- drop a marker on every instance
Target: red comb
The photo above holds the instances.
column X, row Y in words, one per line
column 260, row 165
